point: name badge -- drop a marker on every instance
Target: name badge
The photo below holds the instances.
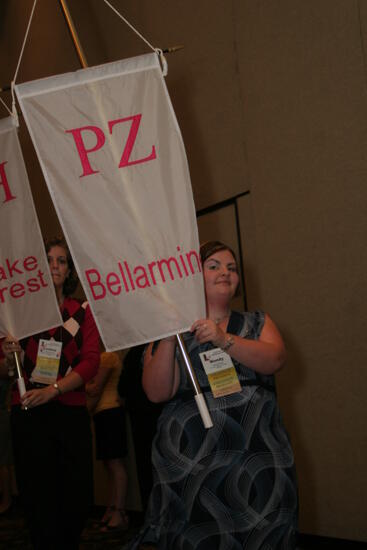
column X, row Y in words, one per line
column 221, row 372
column 48, row 361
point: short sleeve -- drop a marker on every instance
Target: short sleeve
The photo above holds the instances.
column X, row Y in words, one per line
column 254, row 323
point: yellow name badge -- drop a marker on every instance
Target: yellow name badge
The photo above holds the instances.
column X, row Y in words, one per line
column 221, row 373
column 48, row 360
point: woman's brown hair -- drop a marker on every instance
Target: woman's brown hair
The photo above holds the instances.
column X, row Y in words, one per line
column 211, row 247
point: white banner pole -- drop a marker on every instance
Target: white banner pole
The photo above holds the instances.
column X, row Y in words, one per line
column 199, row 397
column 20, row 379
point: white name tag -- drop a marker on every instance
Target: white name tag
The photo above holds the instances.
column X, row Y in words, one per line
column 48, row 361
column 221, row 372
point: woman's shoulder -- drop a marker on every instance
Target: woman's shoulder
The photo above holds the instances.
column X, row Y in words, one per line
column 72, row 305
column 248, row 323
column 69, row 303
column 110, row 360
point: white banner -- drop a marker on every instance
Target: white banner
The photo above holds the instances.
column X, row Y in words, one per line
column 28, row 302
column 114, row 161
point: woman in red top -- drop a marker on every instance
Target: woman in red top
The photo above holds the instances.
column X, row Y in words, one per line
column 50, row 422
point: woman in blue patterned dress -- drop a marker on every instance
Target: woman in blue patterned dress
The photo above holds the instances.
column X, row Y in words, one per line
column 232, row 486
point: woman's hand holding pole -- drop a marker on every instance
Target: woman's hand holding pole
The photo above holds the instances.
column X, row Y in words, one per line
column 11, row 350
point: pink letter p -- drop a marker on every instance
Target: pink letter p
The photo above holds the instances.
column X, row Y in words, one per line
column 82, row 151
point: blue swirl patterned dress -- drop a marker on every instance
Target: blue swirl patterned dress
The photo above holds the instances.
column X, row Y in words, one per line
column 232, row 486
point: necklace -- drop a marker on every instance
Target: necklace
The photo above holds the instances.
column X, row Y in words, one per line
column 220, row 319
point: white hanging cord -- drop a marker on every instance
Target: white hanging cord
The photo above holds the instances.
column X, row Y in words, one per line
column 14, row 109
column 24, row 41
column 158, row 51
column 130, row 25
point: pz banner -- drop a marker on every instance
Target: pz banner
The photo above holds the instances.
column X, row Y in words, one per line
column 113, row 158
column 27, row 298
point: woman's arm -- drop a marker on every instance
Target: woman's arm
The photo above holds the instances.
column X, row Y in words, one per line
column 95, row 387
column 161, row 375
column 4, row 367
column 9, row 345
column 266, row 355
column 88, row 365
column 85, row 370
column 33, row 398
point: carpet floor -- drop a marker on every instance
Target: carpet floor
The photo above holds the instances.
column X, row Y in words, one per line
column 14, row 535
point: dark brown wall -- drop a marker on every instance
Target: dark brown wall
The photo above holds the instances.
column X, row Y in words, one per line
column 271, row 98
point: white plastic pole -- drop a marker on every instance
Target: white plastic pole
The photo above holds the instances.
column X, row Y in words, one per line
column 20, row 379
column 199, row 397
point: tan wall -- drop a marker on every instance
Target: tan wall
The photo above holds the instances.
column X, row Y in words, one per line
column 271, row 98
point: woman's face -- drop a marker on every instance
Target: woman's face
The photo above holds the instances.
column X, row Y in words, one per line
column 58, row 262
column 220, row 275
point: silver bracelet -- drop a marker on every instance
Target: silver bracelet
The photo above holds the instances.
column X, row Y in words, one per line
column 229, row 343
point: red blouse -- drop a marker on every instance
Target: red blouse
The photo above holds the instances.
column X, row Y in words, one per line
column 80, row 350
